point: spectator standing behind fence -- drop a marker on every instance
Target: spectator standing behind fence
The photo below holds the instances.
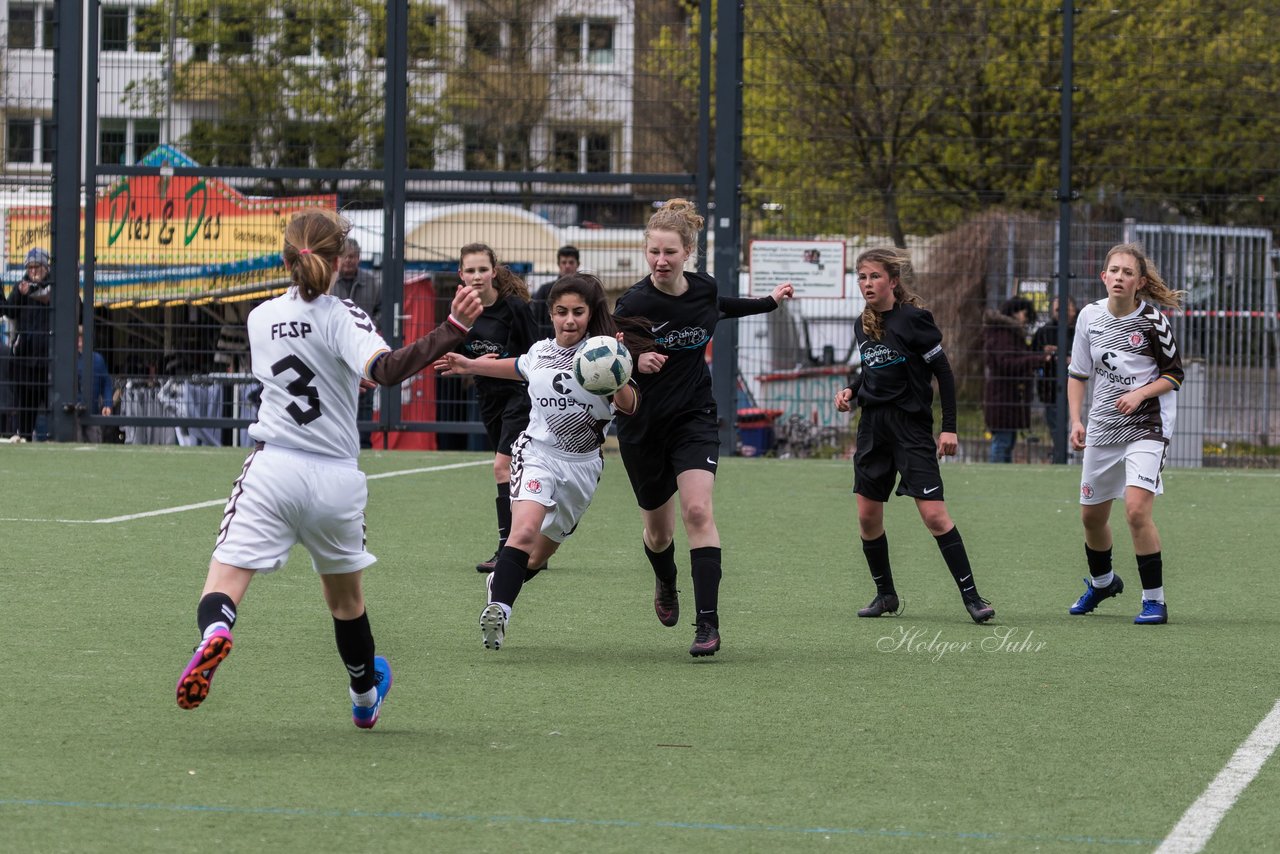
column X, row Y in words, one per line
column 568, row 260
column 901, row 349
column 28, row 307
column 98, row 400
column 364, row 288
column 1046, row 341
column 1124, row 343
column 301, row 483
column 1011, row 367
column 672, row 444
column 505, row 330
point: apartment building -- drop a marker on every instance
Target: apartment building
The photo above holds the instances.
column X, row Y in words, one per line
column 495, row 88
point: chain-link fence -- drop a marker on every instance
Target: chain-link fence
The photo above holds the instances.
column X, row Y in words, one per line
column 530, row 126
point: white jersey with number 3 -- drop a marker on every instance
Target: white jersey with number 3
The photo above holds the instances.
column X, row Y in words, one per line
column 310, row 358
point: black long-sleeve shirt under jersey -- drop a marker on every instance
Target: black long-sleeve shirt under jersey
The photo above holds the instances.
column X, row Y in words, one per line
column 681, row 327
column 899, row 368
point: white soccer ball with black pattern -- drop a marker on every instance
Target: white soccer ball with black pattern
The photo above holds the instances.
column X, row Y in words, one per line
column 603, row 365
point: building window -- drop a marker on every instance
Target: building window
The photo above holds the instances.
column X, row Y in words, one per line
column 149, row 29
column 146, row 137
column 114, row 29
column 113, row 142
column 583, row 40
column 484, row 37
column 581, row 151
column 32, row 25
column 425, row 33
column 123, row 26
column 20, row 141
column 598, row 152
column 488, row 150
column 29, row 140
column 122, row 142
column 305, row 35
column 22, row 27
column 235, row 34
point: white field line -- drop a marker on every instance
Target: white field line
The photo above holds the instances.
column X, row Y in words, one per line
column 164, row 511
column 1202, row 818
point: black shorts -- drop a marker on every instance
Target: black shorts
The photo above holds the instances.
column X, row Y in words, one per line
column 692, row 443
column 892, row 443
column 505, row 416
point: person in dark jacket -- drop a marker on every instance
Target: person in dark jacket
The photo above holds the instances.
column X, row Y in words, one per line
column 98, row 398
column 28, row 307
column 1046, row 341
column 1010, row 369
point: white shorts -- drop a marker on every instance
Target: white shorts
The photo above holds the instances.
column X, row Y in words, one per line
column 1109, row 469
column 284, row 497
column 563, row 483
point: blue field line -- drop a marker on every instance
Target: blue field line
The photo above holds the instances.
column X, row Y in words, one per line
column 426, row 815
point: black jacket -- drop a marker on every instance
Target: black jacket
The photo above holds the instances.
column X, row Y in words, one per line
column 31, row 315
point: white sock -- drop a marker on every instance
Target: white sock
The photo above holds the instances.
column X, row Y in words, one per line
column 1156, row 594
column 367, row 699
column 1103, row 580
column 213, row 627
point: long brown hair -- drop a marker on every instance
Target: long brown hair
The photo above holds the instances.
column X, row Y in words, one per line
column 1155, row 290
column 635, row 330
column 897, row 263
column 313, row 240
column 505, row 282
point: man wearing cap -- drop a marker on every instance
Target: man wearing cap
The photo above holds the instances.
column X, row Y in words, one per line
column 28, row 307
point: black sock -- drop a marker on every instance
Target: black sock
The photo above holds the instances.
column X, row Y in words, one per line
column 1151, row 570
column 705, row 564
column 663, row 562
column 355, row 646
column 877, row 554
column 1099, row 562
column 503, row 503
column 952, row 548
column 508, row 575
column 215, row 608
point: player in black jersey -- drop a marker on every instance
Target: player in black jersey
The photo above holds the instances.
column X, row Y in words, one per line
column 672, row 444
column 901, row 350
column 1124, row 344
column 505, row 329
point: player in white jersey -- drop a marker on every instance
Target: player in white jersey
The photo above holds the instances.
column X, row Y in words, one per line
column 300, row 484
column 556, row 462
column 1124, row 344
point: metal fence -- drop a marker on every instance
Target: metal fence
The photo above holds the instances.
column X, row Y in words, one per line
column 531, row 125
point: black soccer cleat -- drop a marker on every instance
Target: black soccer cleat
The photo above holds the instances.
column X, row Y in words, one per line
column 706, row 640
column 884, row 603
column 666, row 602
column 488, row 565
column 980, row 609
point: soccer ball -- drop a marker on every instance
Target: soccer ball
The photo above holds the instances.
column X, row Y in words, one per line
column 603, row 365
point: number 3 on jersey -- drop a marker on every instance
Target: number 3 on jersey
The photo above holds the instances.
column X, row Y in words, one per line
column 299, row 387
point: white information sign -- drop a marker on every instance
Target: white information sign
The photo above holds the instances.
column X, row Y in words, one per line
column 814, row 267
